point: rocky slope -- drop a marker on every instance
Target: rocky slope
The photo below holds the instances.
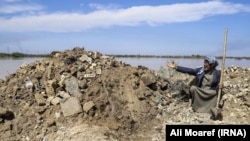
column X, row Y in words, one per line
column 79, row 94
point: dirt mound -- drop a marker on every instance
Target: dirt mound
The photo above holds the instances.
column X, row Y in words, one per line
column 79, row 94
column 75, row 87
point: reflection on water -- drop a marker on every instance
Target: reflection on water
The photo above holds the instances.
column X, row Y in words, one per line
column 10, row 65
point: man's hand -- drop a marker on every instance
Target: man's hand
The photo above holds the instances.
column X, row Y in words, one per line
column 220, row 85
column 171, row 65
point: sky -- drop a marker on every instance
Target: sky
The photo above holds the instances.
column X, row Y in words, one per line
column 145, row 27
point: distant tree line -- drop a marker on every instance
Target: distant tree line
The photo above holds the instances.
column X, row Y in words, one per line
column 18, row 54
column 157, row 56
column 176, row 56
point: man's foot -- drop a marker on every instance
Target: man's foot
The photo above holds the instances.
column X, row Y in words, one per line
column 184, row 98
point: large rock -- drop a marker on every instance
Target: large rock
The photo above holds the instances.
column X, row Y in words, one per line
column 148, row 78
column 72, row 86
column 71, row 106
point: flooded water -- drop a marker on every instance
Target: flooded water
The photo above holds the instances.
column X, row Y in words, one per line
column 10, row 65
column 157, row 63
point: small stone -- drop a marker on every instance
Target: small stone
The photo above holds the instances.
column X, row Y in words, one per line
column 88, row 105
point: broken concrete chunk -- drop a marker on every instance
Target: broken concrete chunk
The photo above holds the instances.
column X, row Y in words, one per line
column 88, row 105
column 94, row 64
column 63, row 94
column 98, row 71
column 40, row 99
column 49, row 91
column 24, row 65
column 63, row 77
column 72, row 86
column 148, row 78
column 71, row 106
column 28, row 84
column 85, row 58
column 58, row 114
column 92, row 75
column 50, row 87
column 54, row 100
column 96, row 55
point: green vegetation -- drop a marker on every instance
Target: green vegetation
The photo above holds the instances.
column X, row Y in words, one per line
column 18, row 54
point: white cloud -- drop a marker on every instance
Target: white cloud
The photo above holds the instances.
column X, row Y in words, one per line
column 15, row 8
column 11, row 0
column 133, row 16
column 102, row 7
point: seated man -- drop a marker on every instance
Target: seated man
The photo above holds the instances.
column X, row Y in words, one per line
column 207, row 79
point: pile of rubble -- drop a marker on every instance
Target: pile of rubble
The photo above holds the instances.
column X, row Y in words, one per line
column 74, row 87
column 79, row 94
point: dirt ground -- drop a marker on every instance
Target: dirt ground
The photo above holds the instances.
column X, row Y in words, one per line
column 83, row 95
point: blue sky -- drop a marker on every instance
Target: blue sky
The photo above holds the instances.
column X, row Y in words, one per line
column 147, row 27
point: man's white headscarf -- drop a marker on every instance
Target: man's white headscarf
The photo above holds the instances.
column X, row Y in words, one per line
column 212, row 60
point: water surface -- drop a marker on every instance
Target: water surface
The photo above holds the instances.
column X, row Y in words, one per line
column 9, row 65
column 157, row 63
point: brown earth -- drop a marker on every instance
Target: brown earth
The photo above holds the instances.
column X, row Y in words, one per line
column 84, row 95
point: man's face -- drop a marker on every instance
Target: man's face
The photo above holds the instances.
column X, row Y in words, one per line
column 207, row 66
